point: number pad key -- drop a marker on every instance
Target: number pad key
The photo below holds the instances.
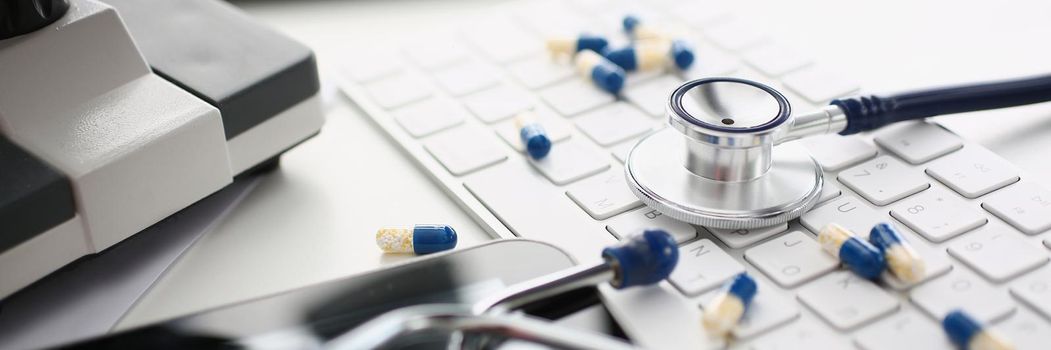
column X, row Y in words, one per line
column 918, row 142
column 745, row 237
column 1025, row 330
column 973, row 172
column 998, row 252
column 883, row 180
column 905, row 330
column 702, row 267
column 961, row 289
column 1026, row 206
column 791, row 259
column 1035, row 289
column 835, row 152
column 938, row 215
column 846, row 300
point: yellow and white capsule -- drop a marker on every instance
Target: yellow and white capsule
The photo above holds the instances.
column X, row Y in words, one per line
column 902, row 260
column 723, row 313
column 969, row 334
column 857, row 254
column 606, row 75
column 421, row 239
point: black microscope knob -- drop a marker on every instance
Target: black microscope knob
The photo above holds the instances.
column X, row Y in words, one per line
column 19, row 17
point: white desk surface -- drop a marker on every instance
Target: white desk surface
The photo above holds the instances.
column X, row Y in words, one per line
column 313, row 220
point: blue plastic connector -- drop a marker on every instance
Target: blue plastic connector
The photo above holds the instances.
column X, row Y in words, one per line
column 642, row 259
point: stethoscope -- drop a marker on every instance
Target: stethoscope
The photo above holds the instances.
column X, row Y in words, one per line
column 716, row 166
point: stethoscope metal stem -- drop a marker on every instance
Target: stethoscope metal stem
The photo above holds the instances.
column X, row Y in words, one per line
column 546, row 287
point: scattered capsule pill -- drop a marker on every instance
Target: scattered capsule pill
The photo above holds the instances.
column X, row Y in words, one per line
column 902, row 260
column 533, row 135
column 421, row 239
column 600, row 71
column 569, row 45
column 638, row 30
column 650, row 55
column 969, row 334
column 857, row 254
column 723, row 313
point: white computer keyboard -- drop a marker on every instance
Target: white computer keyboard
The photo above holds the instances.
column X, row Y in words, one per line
column 448, row 99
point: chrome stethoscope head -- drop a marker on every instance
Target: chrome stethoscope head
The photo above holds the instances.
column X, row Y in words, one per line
column 717, row 165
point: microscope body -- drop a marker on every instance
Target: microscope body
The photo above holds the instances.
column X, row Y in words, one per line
column 98, row 142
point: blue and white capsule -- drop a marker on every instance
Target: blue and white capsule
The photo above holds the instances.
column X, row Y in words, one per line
column 600, row 71
column 902, row 261
column 725, row 311
column 857, row 254
column 421, row 239
column 637, row 30
column 533, row 135
column 651, row 55
column 564, row 46
column 969, row 334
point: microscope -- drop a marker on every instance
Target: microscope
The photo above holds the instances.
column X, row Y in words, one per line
column 116, row 114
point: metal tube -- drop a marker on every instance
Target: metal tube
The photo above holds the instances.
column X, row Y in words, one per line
column 546, row 286
column 827, row 120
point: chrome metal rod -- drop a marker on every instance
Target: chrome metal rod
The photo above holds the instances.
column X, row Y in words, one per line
column 539, row 288
column 827, row 120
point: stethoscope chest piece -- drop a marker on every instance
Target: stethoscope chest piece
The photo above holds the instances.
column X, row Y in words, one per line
column 717, row 165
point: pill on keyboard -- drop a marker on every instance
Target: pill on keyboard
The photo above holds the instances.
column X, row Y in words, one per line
column 559, row 46
column 857, row 254
column 638, row 30
column 969, row 334
column 421, row 239
column 725, row 310
column 651, row 55
column 902, row 259
column 642, row 259
column 533, row 135
column 600, row 71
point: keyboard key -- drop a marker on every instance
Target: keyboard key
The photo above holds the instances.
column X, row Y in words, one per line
column 918, row 142
column 570, row 161
column 621, row 151
column 652, row 96
column 1025, row 330
column 819, row 86
column 710, row 62
column 575, row 96
column 699, row 13
column 802, row 334
column 767, row 311
column 604, row 195
column 1047, row 243
column 540, row 71
column 829, row 191
column 702, row 267
column 936, row 263
column 847, row 211
column 961, row 289
column 465, row 149
column 502, row 40
column 846, row 300
column 905, row 330
column 735, row 35
column 613, row 123
column 435, row 51
column 498, row 103
column 883, row 180
column 429, row 116
column 466, row 78
column 399, row 90
column 938, row 215
column 836, row 152
column 998, row 252
column 973, row 172
column 1026, row 206
column 744, row 237
column 364, row 68
column 1034, row 289
column 514, row 193
column 557, row 129
column 775, row 59
column 791, row 259
column 643, row 218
